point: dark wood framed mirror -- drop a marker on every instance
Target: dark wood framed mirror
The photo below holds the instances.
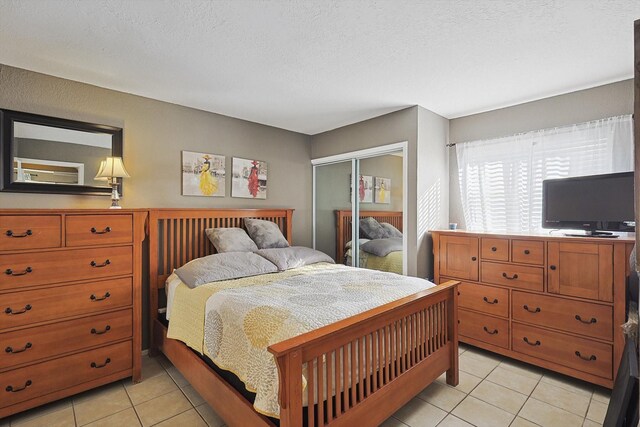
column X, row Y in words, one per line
column 42, row 154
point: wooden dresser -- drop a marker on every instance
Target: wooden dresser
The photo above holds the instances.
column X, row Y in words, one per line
column 70, row 302
column 553, row 301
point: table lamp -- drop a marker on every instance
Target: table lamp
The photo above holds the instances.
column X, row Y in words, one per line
column 112, row 168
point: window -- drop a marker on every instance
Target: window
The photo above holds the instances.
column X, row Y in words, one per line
column 501, row 179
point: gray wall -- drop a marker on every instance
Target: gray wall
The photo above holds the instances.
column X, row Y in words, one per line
column 333, row 192
column 576, row 107
column 432, row 173
column 154, row 134
column 426, row 134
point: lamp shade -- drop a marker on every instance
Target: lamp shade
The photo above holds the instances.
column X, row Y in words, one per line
column 112, row 167
column 100, row 169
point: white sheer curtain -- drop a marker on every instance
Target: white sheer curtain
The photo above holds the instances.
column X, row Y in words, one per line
column 501, row 179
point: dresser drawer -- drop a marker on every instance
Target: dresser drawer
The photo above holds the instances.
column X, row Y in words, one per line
column 577, row 353
column 37, row 380
column 495, row 249
column 516, row 276
column 484, row 328
column 32, row 344
column 583, row 318
column 19, row 270
column 29, row 307
column 19, row 232
column 87, row 230
column 487, row 299
column 527, row 252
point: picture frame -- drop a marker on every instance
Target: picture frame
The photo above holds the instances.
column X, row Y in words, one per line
column 249, row 178
column 203, row 174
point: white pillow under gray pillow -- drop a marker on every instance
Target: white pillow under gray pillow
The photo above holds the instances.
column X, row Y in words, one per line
column 230, row 240
column 294, row 257
column 266, row 234
column 224, row 266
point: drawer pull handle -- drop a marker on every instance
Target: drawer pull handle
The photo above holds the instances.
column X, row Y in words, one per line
column 106, row 362
column 473, row 258
column 493, row 249
column 104, row 264
column 553, row 267
column 515, row 276
column 527, row 252
column 533, row 344
column 93, row 297
column 9, row 310
column 105, row 231
column 526, row 307
column 588, row 359
column 495, row 300
column 588, row 322
column 10, row 272
column 495, row 331
column 10, row 233
column 10, row 388
column 104, row 331
column 12, row 350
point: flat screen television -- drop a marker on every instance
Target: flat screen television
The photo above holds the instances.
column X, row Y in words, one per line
column 598, row 204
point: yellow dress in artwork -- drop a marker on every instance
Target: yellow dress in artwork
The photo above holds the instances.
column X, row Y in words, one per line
column 208, row 182
column 382, row 193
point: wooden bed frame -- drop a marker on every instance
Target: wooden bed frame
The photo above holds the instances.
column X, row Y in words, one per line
column 403, row 345
column 343, row 226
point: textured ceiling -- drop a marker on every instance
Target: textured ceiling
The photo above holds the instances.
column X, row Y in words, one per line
column 314, row 65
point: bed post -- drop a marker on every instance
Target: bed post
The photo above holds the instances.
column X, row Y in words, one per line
column 290, row 397
column 153, row 279
column 452, row 315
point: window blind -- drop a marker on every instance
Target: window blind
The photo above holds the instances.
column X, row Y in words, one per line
column 501, row 179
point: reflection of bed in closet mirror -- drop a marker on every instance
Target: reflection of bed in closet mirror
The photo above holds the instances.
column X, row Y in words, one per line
column 48, row 171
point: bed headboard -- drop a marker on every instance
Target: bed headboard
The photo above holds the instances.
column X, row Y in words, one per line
column 176, row 236
column 343, row 226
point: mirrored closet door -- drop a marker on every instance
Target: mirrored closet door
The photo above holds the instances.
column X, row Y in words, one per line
column 358, row 209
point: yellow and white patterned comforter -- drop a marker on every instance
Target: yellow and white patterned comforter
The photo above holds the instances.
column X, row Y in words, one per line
column 241, row 321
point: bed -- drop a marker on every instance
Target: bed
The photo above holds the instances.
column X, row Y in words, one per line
column 391, row 262
column 395, row 350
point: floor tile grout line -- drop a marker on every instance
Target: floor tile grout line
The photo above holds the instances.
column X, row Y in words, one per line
column 469, row 394
column 131, row 401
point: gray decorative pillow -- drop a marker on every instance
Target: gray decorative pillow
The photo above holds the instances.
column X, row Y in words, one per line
column 266, row 234
column 225, row 266
column 371, row 229
column 294, row 256
column 230, row 240
column 391, row 230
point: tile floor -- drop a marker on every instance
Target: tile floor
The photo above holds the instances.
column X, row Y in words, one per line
column 494, row 391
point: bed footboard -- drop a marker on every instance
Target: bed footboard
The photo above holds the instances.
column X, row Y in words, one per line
column 369, row 365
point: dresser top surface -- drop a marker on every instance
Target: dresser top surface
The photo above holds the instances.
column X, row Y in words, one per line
column 557, row 235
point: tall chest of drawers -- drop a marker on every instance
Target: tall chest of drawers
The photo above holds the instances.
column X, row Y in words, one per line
column 70, row 302
column 552, row 301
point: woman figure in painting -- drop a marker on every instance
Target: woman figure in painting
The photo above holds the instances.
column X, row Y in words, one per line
column 253, row 183
column 361, row 188
column 382, row 193
column 208, row 182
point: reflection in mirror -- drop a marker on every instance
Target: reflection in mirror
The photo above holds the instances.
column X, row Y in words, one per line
column 381, row 234
column 44, row 154
column 332, row 193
